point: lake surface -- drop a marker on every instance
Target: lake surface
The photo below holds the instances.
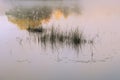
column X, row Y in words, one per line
column 22, row 57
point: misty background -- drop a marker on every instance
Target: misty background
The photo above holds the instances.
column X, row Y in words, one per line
column 97, row 17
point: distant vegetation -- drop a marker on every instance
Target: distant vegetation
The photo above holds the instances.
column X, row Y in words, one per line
column 31, row 20
column 33, row 17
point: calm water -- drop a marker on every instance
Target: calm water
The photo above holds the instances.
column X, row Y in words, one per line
column 23, row 58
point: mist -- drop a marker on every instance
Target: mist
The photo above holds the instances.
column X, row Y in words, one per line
column 24, row 56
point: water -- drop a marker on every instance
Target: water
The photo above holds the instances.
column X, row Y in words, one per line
column 22, row 57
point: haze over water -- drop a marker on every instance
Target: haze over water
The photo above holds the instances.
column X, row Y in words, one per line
column 27, row 60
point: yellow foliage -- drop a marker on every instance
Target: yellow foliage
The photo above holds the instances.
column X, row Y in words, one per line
column 30, row 23
column 58, row 14
column 25, row 23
